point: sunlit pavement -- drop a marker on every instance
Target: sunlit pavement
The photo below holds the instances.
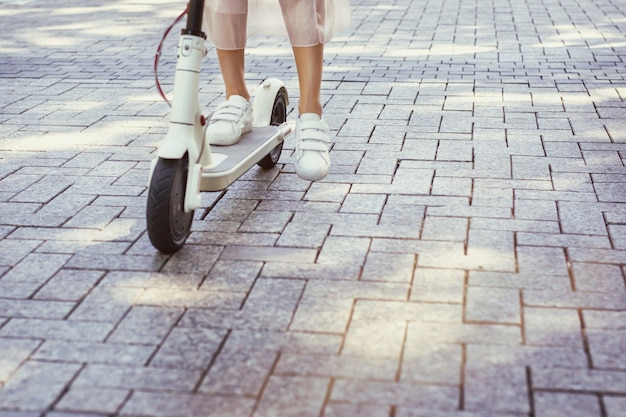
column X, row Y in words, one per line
column 465, row 257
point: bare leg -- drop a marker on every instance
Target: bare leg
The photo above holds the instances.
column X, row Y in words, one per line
column 309, row 62
column 232, row 63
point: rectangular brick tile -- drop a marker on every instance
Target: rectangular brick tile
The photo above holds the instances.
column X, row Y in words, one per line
column 431, row 363
column 438, row 285
column 552, row 327
column 322, row 315
column 188, row 348
column 69, row 285
column 146, row 325
column 136, row 378
column 34, row 308
column 14, row 353
column 349, row 410
column 253, row 253
column 575, row 299
column 37, row 385
column 37, row 268
column 163, row 297
column 496, row 334
column 571, row 405
column 299, row 342
column 293, row 397
column 598, row 277
column 83, row 352
column 239, row 373
column 96, row 400
column 106, row 304
column 607, row 349
column 493, row 305
column 400, row 394
column 161, row 404
column 351, row 367
column 56, row 330
column 496, row 388
column 356, row 289
column 580, row 380
column 388, row 267
column 609, row 320
column 537, row 356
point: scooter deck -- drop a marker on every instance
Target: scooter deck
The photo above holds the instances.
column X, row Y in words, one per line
column 235, row 160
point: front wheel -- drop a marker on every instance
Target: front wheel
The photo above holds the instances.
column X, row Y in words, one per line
column 168, row 224
column 279, row 116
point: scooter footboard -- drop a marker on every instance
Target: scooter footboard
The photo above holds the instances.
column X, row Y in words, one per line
column 236, row 159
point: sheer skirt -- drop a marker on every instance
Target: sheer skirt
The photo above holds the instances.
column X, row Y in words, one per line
column 229, row 23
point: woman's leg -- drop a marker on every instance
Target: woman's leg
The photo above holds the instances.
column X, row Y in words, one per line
column 309, row 62
column 232, row 65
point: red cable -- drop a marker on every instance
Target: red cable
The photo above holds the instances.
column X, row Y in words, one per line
column 157, row 57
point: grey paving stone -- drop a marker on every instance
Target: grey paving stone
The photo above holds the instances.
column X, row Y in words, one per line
column 579, row 380
column 520, row 356
column 69, row 285
column 607, row 349
column 293, row 396
column 136, row 378
column 610, row 320
column 602, row 278
column 33, row 309
column 182, row 405
column 106, row 304
column 614, row 405
column 37, row 268
column 14, row 354
column 89, row 352
column 493, row 305
column 146, row 324
column 97, row 400
column 552, row 327
column 36, row 386
column 571, row 299
column 464, row 333
column 556, row 404
column 324, row 316
column 400, row 394
column 432, row 363
column 496, row 388
column 188, row 348
column 344, row 410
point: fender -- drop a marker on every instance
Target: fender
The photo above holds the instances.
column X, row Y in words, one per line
column 172, row 149
column 264, row 100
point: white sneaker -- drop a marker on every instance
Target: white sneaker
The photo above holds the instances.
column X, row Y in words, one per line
column 230, row 120
column 312, row 144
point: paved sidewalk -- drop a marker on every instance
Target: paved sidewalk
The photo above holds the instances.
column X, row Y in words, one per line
column 465, row 257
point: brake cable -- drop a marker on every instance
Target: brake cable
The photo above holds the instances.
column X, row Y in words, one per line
column 157, row 57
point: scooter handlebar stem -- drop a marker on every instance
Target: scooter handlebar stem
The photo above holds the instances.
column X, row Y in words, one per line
column 195, row 11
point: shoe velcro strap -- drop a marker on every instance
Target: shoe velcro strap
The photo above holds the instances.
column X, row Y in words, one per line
column 311, row 124
column 312, row 145
column 227, row 117
column 314, row 135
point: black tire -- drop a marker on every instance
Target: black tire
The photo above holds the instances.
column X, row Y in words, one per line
column 279, row 116
column 168, row 224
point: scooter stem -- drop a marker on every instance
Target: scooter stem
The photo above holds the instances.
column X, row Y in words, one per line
column 195, row 10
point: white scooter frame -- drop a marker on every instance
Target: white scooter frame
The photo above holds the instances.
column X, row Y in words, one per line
column 185, row 147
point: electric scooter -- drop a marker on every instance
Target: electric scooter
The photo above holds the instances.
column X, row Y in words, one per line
column 185, row 164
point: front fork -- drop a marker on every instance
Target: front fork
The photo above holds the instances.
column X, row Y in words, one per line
column 186, row 127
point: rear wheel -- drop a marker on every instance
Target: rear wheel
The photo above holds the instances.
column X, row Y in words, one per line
column 279, row 116
column 168, row 224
